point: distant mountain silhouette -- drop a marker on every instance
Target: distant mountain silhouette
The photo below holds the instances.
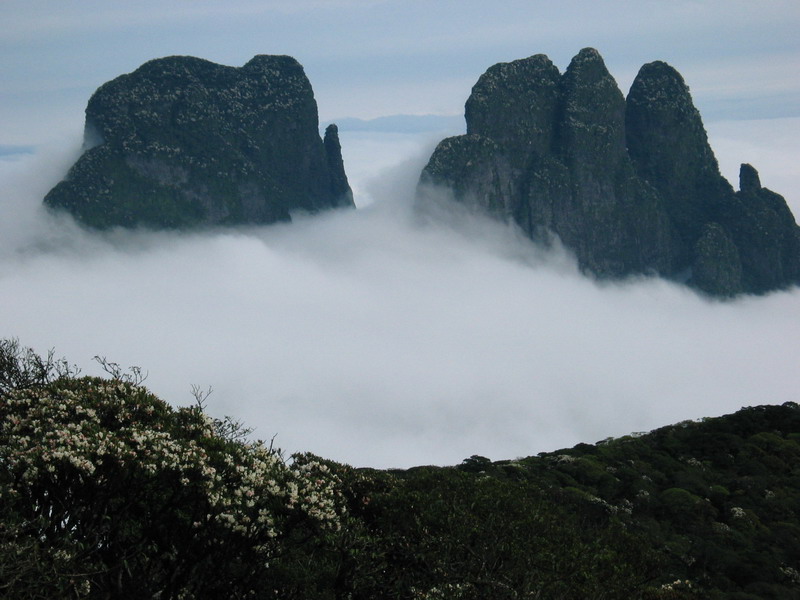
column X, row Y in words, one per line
column 404, row 124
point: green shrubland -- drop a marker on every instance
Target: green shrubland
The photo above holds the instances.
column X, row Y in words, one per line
column 106, row 491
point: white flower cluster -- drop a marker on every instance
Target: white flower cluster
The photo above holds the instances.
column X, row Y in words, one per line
column 88, row 431
column 565, row 458
column 737, row 512
column 792, row 574
column 626, row 506
column 678, row 584
column 447, row 591
column 720, row 527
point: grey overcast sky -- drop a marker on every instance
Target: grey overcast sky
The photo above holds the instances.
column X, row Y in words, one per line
column 368, row 58
column 379, row 336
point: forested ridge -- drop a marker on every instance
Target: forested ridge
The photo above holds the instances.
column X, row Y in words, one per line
column 106, row 491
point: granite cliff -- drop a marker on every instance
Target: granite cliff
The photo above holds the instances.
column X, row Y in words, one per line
column 184, row 142
column 631, row 186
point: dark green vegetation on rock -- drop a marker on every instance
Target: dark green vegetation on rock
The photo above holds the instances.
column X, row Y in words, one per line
column 107, row 491
column 184, row 142
column 631, row 186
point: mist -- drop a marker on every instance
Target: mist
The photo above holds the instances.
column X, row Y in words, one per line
column 388, row 336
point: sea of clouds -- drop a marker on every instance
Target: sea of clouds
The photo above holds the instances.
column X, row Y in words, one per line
column 392, row 335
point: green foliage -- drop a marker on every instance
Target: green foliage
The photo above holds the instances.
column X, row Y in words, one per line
column 715, row 495
column 107, row 491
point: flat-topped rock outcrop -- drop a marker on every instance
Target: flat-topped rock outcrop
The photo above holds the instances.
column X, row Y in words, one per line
column 183, row 142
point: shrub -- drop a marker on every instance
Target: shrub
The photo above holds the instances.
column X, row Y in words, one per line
column 105, row 490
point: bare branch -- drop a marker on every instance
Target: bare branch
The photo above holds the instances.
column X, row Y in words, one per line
column 201, row 396
column 135, row 377
column 21, row 367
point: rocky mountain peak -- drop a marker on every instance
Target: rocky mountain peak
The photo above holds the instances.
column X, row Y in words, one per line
column 662, row 125
column 185, row 142
column 519, row 85
column 631, row 186
column 669, row 147
column 592, row 122
column 267, row 62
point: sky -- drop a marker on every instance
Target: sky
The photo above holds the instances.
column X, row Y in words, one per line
column 391, row 336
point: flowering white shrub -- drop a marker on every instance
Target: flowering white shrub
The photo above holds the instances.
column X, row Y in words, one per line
column 792, row 574
column 721, row 527
column 446, row 591
column 737, row 512
column 677, row 585
column 102, row 478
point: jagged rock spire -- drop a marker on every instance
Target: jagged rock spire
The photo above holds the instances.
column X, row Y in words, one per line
column 592, row 119
column 529, row 90
column 629, row 185
column 340, row 188
column 749, row 180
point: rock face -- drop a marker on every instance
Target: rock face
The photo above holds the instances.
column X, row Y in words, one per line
column 631, row 186
column 184, row 142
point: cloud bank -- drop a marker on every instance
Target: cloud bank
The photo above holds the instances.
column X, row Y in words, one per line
column 386, row 336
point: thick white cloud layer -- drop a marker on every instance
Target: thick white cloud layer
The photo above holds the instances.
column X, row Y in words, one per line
column 386, row 336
